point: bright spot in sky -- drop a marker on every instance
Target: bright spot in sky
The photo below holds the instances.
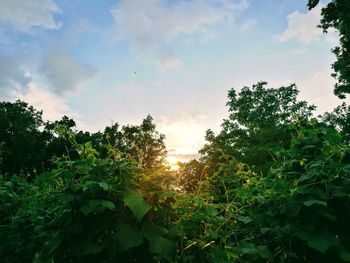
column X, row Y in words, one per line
column 173, row 162
column 184, row 137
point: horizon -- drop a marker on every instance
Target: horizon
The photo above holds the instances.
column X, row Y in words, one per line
column 117, row 61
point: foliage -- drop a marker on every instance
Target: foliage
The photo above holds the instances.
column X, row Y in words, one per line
column 252, row 198
column 191, row 174
column 298, row 210
column 21, row 141
column 142, row 143
column 335, row 15
column 87, row 210
column 28, row 145
column 259, row 122
column 339, row 119
column 272, row 186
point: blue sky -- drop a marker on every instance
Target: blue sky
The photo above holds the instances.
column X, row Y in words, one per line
column 119, row 60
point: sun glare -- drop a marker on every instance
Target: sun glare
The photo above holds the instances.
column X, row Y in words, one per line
column 173, row 162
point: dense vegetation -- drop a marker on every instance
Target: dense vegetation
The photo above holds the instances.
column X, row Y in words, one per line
column 272, row 186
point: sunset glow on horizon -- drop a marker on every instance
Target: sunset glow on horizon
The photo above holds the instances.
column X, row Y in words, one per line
column 119, row 60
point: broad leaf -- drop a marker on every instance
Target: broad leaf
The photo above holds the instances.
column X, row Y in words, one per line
column 161, row 245
column 137, row 205
column 128, row 237
column 158, row 244
column 96, row 205
column 322, row 241
column 244, row 219
column 344, row 254
column 151, row 230
column 315, row 202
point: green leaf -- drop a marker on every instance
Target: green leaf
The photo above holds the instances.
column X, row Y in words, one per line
column 128, row 237
column 329, row 217
column 244, row 219
column 264, row 230
column 158, row 244
column 251, row 249
column 96, row 205
column 319, row 244
column 84, row 246
column 51, row 246
column 263, row 251
column 150, row 230
column 310, row 174
column 137, row 205
column 90, row 248
column 333, row 136
column 291, row 208
column 303, row 235
column 103, row 185
column 346, row 168
column 321, row 240
column 161, row 245
column 344, row 254
column 337, row 191
column 175, row 232
column 315, row 202
column 247, row 248
column 67, row 197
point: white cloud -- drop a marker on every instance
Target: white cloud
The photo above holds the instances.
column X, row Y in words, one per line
column 52, row 105
column 13, row 76
column 25, row 15
column 303, row 26
column 153, row 25
column 248, row 25
column 65, row 73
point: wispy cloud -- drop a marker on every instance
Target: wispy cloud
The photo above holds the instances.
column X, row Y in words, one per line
column 153, row 25
column 65, row 73
column 248, row 25
column 23, row 16
column 13, row 77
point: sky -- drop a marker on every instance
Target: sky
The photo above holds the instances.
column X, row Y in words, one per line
column 101, row 62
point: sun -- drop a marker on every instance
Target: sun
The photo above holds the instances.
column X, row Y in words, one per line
column 173, row 162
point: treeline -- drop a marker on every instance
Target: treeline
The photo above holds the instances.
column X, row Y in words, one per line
column 29, row 145
column 273, row 185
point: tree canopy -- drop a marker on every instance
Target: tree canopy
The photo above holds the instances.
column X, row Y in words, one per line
column 335, row 15
column 259, row 121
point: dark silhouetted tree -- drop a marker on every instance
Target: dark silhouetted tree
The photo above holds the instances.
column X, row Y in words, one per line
column 336, row 15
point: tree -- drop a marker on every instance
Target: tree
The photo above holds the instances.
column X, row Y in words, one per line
column 22, row 143
column 57, row 146
column 259, row 122
column 339, row 119
column 336, row 14
column 139, row 142
column 191, row 174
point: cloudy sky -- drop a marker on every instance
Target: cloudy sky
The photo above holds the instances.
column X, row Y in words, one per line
column 118, row 60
